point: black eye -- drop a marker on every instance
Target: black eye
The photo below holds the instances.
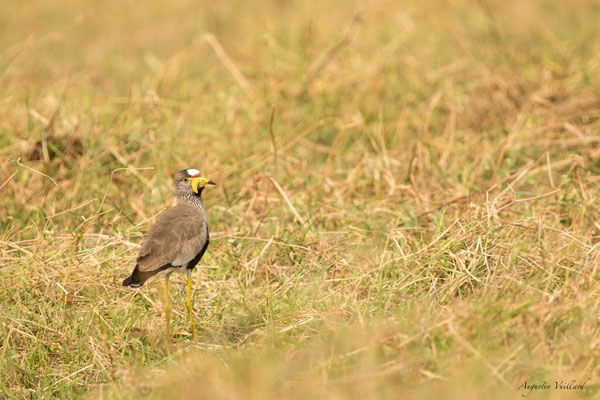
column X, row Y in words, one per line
column 185, row 179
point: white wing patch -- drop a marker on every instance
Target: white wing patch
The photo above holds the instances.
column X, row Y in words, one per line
column 192, row 171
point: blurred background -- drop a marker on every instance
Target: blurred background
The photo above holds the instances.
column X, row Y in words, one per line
column 406, row 199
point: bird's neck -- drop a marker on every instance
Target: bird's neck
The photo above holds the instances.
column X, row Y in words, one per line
column 195, row 200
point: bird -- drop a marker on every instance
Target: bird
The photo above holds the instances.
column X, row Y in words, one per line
column 177, row 240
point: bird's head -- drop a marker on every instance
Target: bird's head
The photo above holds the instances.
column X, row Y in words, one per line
column 189, row 182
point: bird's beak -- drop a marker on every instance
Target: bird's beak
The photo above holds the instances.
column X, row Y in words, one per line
column 200, row 180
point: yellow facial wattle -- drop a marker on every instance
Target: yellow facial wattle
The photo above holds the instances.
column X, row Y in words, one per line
column 200, row 180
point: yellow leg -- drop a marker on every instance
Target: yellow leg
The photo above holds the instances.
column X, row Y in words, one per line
column 167, row 307
column 189, row 302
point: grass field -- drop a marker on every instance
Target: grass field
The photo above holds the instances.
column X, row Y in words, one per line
column 406, row 204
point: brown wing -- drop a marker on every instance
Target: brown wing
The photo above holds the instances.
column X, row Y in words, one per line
column 176, row 238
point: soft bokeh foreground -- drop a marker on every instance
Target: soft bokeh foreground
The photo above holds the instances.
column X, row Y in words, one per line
column 407, row 203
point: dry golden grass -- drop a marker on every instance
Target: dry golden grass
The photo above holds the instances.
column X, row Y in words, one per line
column 406, row 204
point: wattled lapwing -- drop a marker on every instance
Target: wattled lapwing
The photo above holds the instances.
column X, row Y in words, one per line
column 177, row 241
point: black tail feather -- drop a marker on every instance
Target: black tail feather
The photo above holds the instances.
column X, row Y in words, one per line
column 134, row 280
